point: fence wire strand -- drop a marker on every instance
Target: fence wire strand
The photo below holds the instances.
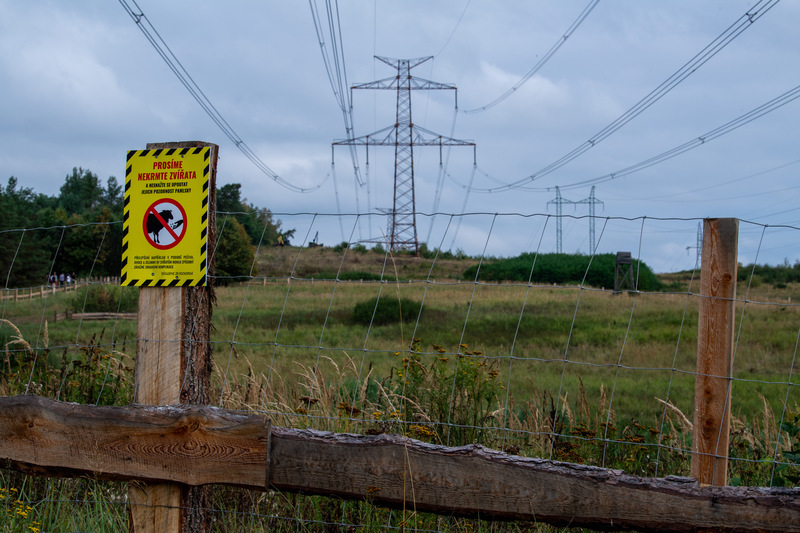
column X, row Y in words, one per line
column 285, row 346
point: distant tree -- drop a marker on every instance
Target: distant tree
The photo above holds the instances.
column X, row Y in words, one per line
column 112, row 196
column 81, row 192
column 234, row 253
column 258, row 223
column 26, row 254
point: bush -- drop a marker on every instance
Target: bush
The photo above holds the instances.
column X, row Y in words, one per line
column 354, row 275
column 386, row 310
column 234, row 256
column 106, row 299
column 563, row 269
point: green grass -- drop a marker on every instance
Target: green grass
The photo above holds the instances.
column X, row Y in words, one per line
column 588, row 364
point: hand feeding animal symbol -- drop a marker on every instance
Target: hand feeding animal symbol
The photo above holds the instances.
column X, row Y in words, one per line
column 154, row 225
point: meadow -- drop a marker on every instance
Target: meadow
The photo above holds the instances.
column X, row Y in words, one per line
column 562, row 372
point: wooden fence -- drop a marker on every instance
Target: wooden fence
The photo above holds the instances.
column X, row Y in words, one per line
column 170, row 439
column 195, row 446
column 42, row 291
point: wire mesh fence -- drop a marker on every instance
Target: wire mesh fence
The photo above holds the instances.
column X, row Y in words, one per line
column 450, row 348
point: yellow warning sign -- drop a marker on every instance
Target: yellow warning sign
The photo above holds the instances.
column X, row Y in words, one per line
column 165, row 220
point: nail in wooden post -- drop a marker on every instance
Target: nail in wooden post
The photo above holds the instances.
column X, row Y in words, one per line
column 712, row 393
column 173, row 365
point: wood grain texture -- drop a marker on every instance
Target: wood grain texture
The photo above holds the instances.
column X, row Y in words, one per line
column 156, row 507
column 159, row 333
column 192, row 445
column 476, row 481
column 712, row 396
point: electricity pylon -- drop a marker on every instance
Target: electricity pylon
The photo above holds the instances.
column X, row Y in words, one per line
column 559, row 201
column 592, row 201
column 404, row 135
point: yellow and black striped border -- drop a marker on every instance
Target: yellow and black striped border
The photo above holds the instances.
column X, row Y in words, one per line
column 203, row 223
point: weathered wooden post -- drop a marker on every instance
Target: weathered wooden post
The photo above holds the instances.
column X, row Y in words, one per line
column 712, row 392
column 173, row 356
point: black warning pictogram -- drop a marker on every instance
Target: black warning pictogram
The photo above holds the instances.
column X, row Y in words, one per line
column 164, row 223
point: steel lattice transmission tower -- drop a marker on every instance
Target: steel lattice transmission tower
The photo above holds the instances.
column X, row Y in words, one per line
column 404, row 135
column 559, row 201
column 592, row 201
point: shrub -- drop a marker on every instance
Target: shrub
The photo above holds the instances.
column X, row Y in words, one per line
column 234, row 255
column 106, row 299
column 354, row 275
column 386, row 310
column 562, row 269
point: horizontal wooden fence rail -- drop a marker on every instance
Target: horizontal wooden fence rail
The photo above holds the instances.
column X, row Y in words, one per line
column 202, row 445
column 41, row 291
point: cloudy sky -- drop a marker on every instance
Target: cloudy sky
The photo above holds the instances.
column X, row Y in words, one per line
column 81, row 85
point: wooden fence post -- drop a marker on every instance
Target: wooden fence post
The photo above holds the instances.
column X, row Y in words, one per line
column 712, row 392
column 173, row 365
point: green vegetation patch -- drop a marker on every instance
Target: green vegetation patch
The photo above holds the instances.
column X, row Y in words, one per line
column 106, row 299
column 386, row 310
column 562, row 269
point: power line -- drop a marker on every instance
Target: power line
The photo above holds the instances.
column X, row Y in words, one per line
column 174, row 64
column 574, row 26
column 712, row 49
column 336, row 70
column 458, row 23
column 726, row 128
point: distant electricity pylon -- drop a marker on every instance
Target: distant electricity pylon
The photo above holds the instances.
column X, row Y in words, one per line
column 592, row 201
column 404, row 135
column 559, row 201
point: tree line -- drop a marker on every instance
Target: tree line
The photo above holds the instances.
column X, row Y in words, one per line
column 79, row 230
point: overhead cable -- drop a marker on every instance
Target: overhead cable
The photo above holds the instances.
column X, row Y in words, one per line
column 717, row 132
column 152, row 35
column 574, row 26
column 728, row 127
column 712, row 49
column 458, row 23
column 333, row 59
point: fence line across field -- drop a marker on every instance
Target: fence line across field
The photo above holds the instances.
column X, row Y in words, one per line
column 714, row 384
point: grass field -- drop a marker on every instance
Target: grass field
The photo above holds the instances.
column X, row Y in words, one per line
column 638, row 347
column 563, row 372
